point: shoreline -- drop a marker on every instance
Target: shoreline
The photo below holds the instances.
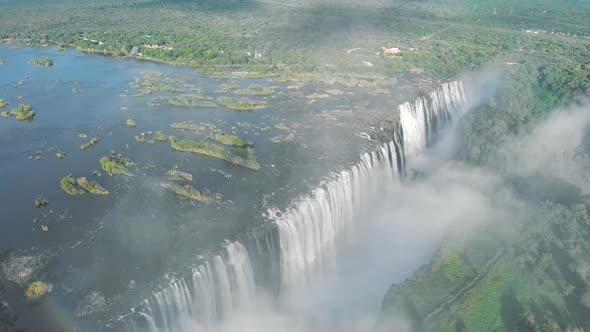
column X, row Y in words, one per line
column 243, row 71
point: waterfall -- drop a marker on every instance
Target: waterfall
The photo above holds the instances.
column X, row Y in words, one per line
column 215, row 289
column 422, row 118
column 310, row 229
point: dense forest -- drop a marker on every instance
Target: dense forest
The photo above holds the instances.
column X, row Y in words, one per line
column 311, row 38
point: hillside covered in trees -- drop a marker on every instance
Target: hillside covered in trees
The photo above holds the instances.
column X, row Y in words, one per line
column 308, row 39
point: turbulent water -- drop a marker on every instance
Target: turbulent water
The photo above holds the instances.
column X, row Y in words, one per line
column 308, row 232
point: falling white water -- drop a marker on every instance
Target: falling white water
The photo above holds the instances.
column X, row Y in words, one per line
column 152, row 327
column 240, row 271
column 311, row 228
column 422, row 118
column 216, row 289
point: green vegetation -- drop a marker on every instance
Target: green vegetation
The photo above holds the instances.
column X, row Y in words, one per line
column 60, row 154
column 39, row 202
column 177, row 175
column 529, row 91
column 191, row 126
column 536, row 283
column 435, row 38
column 68, row 184
column 224, row 87
column 151, row 137
column 131, row 123
column 191, row 101
column 241, row 104
column 91, row 186
column 231, row 140
column 256, row 90
column 92, row 142
column 79, row 186
column 116, row 165
column 160, row 136
column 239, row 156
column 5, row 114
column 42, row 62
column 3, row 103
column 22, row 112
column 191, row 193
column 152, row 82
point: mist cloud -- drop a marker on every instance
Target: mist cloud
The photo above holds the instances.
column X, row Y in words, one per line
column 406, row 225
column 555, row 148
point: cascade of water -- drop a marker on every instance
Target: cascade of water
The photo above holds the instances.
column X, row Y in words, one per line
column 215, row 289
column 422, row 118
column 152, row 327
column 240, row 271
column 310, row 228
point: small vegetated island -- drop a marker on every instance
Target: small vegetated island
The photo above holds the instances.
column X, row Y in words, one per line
column 40, row 201
column 176, row 175
column 151, row 137
column 241, row 104
column 191, row 126
column 256, row 90
column 186, row 190
column 79, row 186
column 116, row 165
column 152, row 82
column 236, row 155
column 42, row 62
column 191, row 193
column 21, row 113
column 92, row 142
column 227, row 87
column 191, row 101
